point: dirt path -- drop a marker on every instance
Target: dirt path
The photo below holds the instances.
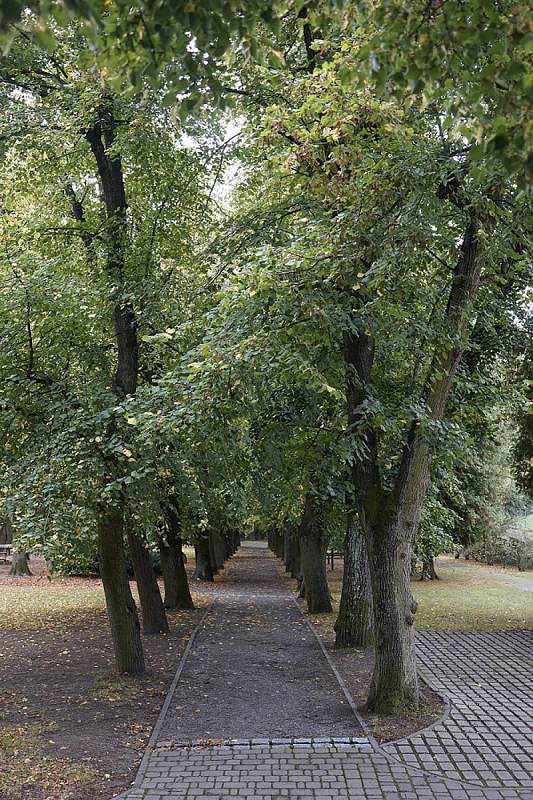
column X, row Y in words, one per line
column 255, row 669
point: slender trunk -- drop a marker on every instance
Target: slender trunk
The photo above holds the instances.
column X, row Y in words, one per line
column 353, row 627
column 212, row 556
column 120, row 605
column 313, row 544
column 154, row 619
column 121, row 609
column 394, row 682
column 295, row 566
column 286, row 549
column 19, row 565
column 204, row 567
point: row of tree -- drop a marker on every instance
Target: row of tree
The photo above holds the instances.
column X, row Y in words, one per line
column 298, row 304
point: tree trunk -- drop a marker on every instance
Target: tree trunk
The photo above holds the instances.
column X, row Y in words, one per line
column 353, row 627
column 428, row 569
column 120, row 605
column 212, row 557
column 19, row 565
column 286, row 549
column 204, row 567
column 217, row 550
column 394, row 681
column 154, row 618
column 177, row 592
column 121, row 610
column 313, row 544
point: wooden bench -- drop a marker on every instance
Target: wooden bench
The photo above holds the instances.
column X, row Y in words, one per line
column 5, row 552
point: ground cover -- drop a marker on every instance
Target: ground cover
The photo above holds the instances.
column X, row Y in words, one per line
column 70, row 728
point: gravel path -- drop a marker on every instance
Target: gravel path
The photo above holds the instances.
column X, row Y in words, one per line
column 255, row 669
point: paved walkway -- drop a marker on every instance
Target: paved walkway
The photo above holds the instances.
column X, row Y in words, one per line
column 487, row 738
column 255, row 676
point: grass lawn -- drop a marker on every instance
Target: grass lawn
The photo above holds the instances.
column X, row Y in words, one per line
column 468, row 597
column 472, row 597
column 44, row 604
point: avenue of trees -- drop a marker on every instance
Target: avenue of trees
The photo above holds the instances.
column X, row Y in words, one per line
column 263, row 266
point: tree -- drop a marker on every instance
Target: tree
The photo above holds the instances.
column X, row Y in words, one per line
column 373, row 263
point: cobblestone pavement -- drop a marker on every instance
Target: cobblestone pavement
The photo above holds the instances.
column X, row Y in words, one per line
column 487, row 738
column 481, row 751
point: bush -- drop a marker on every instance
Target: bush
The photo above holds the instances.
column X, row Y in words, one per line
column 508, row 552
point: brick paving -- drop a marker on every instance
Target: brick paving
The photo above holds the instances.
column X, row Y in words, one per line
column 482, row 750
column 487, row 739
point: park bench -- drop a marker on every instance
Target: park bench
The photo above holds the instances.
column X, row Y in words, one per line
column 5, row 552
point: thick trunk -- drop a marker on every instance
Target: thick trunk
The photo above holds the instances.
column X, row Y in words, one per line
column 353, row 627
column 177, row 592
column 428, row 569
column 19, row 565
column 204, row 567
column 394, row 681
column 121, row 610
column 217, row 550
column 154, row 618
column 313, row 546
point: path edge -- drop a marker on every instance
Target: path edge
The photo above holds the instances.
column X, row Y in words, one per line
column 156, row 730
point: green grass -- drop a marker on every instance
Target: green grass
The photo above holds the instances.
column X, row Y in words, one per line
column 42, row 605
column 469, row 598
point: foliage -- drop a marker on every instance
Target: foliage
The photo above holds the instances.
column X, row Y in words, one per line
column 470, row 67
column 503, row 550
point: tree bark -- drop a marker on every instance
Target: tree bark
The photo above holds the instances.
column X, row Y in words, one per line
column 204, row 567
column 292, row 562
column 353, row 627
column 428, row 569
column 154, row 619
column 121, row 609
column 177, row 592
column 19, row 565
column 313, row 544
column 212, row 556
column 217, row 550
column 394, row 682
